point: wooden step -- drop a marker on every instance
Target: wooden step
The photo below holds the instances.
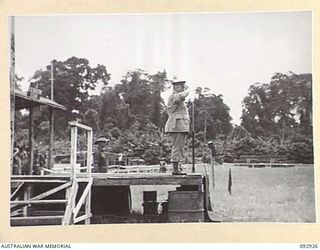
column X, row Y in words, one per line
column 39, row 181
column 38, row 212
column 38, row 202
column 36, row 220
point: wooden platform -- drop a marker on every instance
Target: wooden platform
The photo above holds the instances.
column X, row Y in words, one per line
column 122, row 179
column 105, row 187
column 145, row 179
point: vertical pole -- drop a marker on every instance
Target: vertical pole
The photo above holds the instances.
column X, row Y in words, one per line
column 212, row 168
column 205, row 128
column 51, row 123
column 31, row 140
column 73, row 163
column 73, row 153
column 52, row 82
column 193, row 163
column 230, row 182
column 89, row 163
column 88, row 205
column 89, row 152
column 12, row 86
column 74, row 196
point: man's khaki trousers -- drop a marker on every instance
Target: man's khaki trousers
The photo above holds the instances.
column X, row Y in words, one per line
column 178, row 141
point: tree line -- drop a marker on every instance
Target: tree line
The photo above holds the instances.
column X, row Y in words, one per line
column 276, row 116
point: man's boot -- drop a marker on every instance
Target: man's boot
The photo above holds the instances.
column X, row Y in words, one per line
column 175, row 169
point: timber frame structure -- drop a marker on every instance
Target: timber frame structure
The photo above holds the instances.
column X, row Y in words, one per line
column 76, row 185
column 69, row 183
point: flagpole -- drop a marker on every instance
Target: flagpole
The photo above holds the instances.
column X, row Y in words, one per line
column 51, row 123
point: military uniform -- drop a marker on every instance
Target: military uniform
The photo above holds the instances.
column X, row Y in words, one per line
column 177, row 124
column 100, row 158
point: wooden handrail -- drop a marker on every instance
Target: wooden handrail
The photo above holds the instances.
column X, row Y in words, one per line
column 79, row 125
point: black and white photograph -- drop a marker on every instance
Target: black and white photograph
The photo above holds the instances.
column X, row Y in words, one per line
column 131, row 118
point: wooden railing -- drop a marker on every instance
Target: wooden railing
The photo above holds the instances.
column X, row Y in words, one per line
column 69, row 181
column 73, row 207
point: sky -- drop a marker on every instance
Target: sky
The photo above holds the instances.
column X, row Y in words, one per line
column 226, row 52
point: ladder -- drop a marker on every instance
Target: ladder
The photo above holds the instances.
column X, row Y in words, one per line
column 22, row 200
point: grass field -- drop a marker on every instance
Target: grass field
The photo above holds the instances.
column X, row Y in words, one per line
column 258, row 194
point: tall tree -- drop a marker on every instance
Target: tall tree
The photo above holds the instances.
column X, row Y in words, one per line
column 114, row 112
column 282, row 107
column 73, row 79
column 212, row 115
column 257, row 117
column 136, row 98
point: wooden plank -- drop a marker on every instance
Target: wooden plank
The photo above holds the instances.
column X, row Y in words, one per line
column 36, row 220
column 48, row 170
column 89, row 172
column 52, row 191
column 89, row 152
column 17, row 190
column 70, row 205
column 79, row 125
column 46, row 213
column 83, row 179
column 38, row 202
column 22, row 178
column 74, row 196
column 88, row 207
column 73, row 152
column 83, row 217
column 63, row 168
column 152, row 179
column 41, row 181
column 81, row 200
column 24, row 101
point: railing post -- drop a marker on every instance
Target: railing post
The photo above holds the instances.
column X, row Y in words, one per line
column 89, row 162
column 73, row 153
column 73, row 208
column 89, row 152
column 26, row 197
column 88, row 205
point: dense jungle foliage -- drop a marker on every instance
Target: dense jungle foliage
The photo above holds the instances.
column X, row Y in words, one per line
column 276, row 116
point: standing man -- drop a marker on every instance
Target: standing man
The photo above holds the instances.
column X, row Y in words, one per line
column 178, row 123
column 100, row 156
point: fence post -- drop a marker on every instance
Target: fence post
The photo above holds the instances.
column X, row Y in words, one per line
column 73, row 154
